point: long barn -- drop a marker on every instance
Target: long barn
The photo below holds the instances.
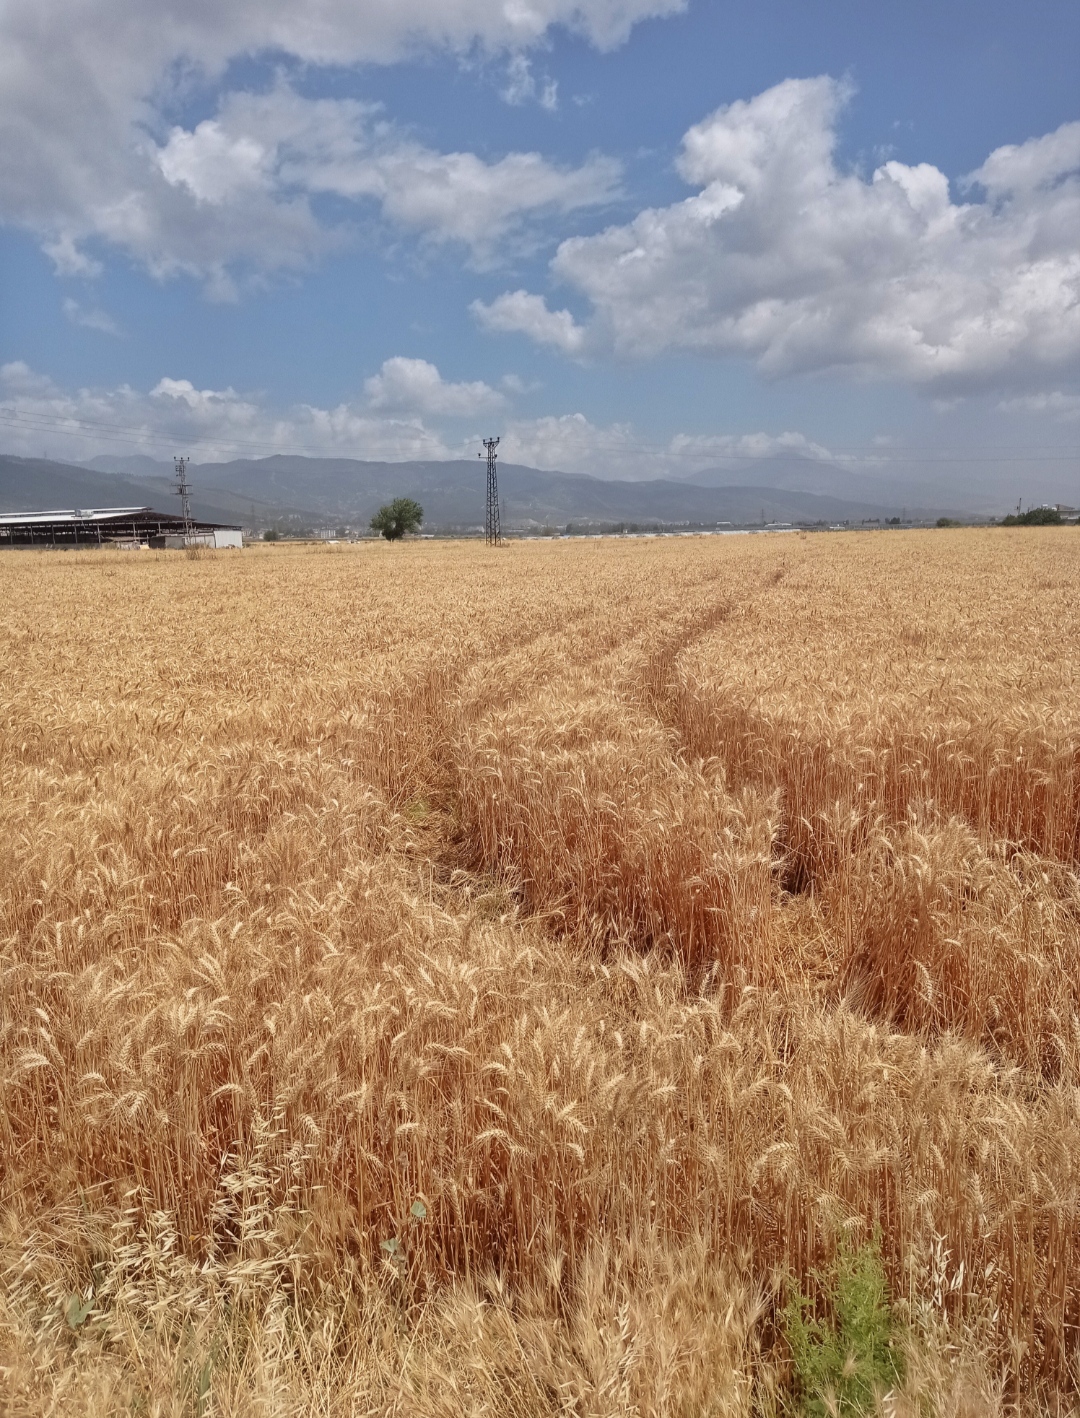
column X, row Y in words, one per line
column 105, row 526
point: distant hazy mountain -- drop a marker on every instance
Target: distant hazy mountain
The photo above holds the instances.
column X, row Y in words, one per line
column 132, row 465
column 919, row 485
column 40, row 485
column 795, row 473
column 452, row 493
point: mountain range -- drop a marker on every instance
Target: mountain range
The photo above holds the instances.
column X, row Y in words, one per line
column 40, row 484
column 800, row 473
column 312, row 492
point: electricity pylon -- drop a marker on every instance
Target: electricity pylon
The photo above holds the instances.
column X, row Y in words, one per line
column 183, row 491
column 492, row 524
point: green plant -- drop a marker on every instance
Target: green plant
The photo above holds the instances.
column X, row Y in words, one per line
column 271, row 535
column 419, row 810
column 1033, row 517
column 77, row 1310
column 844, row 1362
column 398, row 517
column 947, row 522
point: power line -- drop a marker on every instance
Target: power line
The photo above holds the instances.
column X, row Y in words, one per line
column 1043, row 453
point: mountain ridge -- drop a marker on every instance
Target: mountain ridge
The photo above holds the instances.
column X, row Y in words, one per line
column 322, row 492
column 42, row 484
column 451, row 493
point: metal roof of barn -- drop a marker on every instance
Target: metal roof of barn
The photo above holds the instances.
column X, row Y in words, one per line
column 102, row 516
column 79, row 526
column 76, row 514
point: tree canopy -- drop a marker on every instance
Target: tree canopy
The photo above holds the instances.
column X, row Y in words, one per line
column 398, row 517
column 1033, row 517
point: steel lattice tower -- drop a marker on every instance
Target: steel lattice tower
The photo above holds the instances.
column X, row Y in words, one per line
column 492, row 524
column 183, row 491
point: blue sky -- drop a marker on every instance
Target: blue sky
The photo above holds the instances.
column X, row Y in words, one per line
column 635, row 238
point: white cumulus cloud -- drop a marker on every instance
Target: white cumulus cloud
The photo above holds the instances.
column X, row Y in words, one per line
column 407, row 411
column 573, row 443
column 785, row 258
column 83, row 91
column 416, row 386
column 177, row 416
column 528, row 314
column 253, row 169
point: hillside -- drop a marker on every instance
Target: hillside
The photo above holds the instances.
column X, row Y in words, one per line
column 451, row 493
column 39, row 484
column 798, row 473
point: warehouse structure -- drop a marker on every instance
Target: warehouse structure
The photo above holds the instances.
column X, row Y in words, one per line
column 112, row 526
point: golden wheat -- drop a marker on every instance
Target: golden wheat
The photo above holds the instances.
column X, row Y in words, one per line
column 443, row 981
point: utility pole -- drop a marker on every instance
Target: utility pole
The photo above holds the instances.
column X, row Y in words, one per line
column 492, row 524
column 183, row 491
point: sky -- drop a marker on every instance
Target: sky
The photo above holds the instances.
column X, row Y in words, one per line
column 633, row 238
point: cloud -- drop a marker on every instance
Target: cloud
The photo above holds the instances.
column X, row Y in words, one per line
column 90, row 318
column 457, row 196
column 521, row 85
column 518, row 311
column 1055, row 403
column 571, row 443
column 210, row 423
column 415, row 386
column 179, row 416
column 207, row 404
column 783, row 257
column 241, row 188
column 391, row 423
column 1027, row 167
column 68, row 260
column 401, row 416
column 84, row 92
column 702, row 449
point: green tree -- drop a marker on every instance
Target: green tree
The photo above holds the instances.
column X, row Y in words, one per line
column 1034, row 517
column 398, row 517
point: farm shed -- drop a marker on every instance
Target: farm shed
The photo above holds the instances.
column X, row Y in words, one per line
column 105, row 526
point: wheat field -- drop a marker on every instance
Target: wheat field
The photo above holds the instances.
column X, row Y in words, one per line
column 445, row 980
